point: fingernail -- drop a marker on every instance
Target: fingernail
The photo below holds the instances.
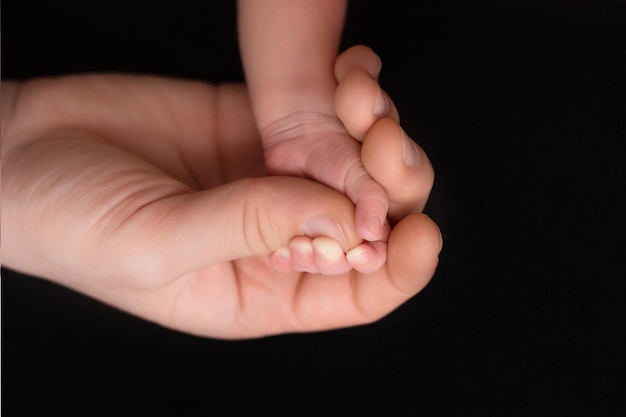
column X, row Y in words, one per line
column 440, row 241
column 325, row 226
column 380, row 66
column 381, row 105
column 410, row 155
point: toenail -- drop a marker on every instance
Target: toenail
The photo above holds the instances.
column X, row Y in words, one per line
column 410, row 154
column 283, row 254
column 300, row 252
column 356, row 256
column 327, row 249
column 282, row 258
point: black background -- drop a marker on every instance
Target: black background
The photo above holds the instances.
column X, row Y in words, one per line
column 521, row 105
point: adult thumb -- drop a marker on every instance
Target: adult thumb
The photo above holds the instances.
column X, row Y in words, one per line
column 253, row 216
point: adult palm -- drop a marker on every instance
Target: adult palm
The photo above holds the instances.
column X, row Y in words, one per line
column 149, row 194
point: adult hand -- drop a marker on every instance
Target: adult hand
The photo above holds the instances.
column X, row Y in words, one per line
column 148, row 194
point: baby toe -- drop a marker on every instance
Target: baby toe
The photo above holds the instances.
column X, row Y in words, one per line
column 329, row 257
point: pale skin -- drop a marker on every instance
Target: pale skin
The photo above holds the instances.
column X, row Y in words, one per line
column 151, row 195
column 288, row 49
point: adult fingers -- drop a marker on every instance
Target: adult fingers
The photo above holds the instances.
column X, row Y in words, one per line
column 399, row 165
column 358, row 298
column 359, row 100
column 358, row 56
column 413, row 256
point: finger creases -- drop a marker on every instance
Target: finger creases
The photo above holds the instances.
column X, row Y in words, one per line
column 274, row 210
column 248, row 217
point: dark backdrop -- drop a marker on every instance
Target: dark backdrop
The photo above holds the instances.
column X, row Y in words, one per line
column 521, row 106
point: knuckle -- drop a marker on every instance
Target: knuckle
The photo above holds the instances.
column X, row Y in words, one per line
column 259, row 222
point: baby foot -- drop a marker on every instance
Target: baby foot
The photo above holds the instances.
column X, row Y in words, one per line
column 389, row 157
